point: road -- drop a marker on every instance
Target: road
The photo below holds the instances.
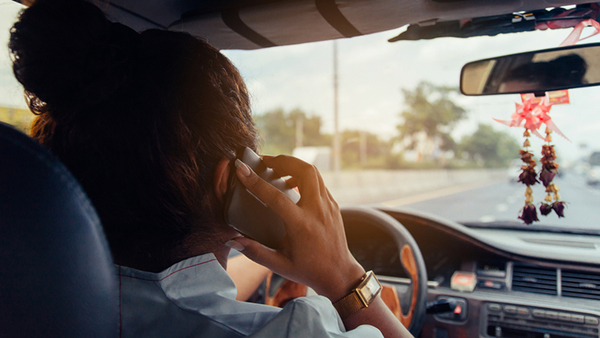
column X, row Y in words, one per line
column 503, row 200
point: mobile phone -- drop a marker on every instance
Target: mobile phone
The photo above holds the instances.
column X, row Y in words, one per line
column 246, row 213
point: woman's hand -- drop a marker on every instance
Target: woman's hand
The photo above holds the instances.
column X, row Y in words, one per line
column 314, row 250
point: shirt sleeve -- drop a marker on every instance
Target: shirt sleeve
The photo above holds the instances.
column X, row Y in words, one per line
column 311, row 317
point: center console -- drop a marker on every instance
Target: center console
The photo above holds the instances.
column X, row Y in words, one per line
column 507, row 320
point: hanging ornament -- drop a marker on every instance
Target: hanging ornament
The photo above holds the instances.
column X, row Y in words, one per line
column 532, row 115
column 528, row 177
column 549, row 167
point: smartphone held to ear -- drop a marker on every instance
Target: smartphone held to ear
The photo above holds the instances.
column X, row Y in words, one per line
column 247, row 213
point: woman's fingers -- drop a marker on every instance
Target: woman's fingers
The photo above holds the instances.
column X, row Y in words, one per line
column 306, row 175
column 314, row 251
column 268, row 194
column 292, row 182
column 323, row 189
column 286, row 165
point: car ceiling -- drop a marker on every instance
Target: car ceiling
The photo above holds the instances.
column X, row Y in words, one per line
column 252, row 24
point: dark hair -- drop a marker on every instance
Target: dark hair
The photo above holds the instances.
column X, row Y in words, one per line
column 140, row 119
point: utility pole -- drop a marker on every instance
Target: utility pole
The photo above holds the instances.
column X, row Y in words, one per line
column 336, row 134
column 299, row 131
column 362, row 139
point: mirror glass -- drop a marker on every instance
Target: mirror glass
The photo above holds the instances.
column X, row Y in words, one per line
column 533, row 72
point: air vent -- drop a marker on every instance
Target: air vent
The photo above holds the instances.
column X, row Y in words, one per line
column 580, row 284
column 535, row 279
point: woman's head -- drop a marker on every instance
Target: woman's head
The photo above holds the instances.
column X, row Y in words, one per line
column 140, row 119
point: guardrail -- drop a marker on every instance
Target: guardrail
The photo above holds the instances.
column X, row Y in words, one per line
column 375, row 186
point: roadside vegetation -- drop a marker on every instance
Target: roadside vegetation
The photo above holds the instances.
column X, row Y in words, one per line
column 423, row 141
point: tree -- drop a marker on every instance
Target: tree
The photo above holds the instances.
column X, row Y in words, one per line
column 430, row 111
column 375, row 151
column 311, row 129
column 494, row 148
column 277, row 130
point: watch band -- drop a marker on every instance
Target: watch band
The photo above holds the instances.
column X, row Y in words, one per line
column 358, row 298
column 348, row 305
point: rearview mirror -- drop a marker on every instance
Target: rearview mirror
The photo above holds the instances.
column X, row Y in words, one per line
column 533, row 72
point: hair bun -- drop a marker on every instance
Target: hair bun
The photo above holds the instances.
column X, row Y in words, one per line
column 68, row 55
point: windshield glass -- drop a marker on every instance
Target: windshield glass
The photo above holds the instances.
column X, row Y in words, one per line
column 595, row 159
column 407, row 138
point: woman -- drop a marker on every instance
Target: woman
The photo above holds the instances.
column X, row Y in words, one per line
column 148, row 123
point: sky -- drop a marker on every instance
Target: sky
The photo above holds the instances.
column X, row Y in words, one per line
column 11, row 94
column 371, row 74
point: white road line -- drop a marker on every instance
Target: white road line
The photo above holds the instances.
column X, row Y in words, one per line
column 487, row 219
column 435, row 194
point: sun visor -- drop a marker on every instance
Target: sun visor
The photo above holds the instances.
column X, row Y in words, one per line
column 215, row 31
column 260, row 26
column 252, row 24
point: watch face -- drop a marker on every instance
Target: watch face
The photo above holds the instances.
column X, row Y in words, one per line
column 369, row 289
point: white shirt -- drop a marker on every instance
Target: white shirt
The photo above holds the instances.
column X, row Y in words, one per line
column 196, row 298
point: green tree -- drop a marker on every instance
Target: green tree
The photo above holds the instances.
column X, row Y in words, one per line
column 376, row 151
column 311, row 129
column 276, row 133
column 432, row 111
column 494, row 148
column 277, row 130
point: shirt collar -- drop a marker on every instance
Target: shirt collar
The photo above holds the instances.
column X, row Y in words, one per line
column 181, row 281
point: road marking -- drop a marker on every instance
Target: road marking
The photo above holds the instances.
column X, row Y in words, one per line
column 436, row 194
column 501, row 207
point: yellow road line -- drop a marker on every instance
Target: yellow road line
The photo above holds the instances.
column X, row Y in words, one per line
column 437, row 193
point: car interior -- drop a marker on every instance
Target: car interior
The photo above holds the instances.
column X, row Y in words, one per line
column 57, row 273
column 446, row 279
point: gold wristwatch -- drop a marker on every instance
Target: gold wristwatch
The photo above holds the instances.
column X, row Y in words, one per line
column 359, row 298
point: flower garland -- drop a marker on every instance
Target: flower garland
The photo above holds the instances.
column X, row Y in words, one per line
column 531, row 116
column 549, row 167
column 528, row 177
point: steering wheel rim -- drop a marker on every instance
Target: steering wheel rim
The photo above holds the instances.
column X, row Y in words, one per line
column 277, row 291
column 410, row 256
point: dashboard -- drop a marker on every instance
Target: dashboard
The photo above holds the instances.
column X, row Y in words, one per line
column 527, row 284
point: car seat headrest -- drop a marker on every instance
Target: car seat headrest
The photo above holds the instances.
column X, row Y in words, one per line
column 56, row 271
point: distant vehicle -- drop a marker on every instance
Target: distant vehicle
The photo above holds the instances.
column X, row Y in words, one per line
column 513, row 171
column 593, row 175
column 319, row 156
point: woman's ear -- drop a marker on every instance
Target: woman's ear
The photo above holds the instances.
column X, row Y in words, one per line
column 221, row 178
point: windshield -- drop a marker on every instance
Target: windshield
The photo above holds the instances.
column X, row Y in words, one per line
column 595, row 159
column 407, row 138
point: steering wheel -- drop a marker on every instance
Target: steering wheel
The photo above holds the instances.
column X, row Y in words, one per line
column 409, row 307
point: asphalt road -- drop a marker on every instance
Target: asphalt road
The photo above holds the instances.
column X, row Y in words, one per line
column 502, row 201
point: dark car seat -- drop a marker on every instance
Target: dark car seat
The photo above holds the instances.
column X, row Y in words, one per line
column 56, row 273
